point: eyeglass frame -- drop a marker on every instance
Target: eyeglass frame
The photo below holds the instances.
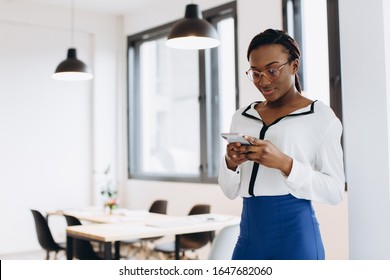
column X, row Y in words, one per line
column 262, row 73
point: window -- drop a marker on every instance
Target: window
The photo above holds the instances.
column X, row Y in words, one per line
column 179, row 102
column 314, row 25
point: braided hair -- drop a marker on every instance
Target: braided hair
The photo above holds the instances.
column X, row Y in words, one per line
column 272, row 36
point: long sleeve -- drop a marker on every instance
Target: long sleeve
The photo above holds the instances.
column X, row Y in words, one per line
column 229, row 180
column 324, row 182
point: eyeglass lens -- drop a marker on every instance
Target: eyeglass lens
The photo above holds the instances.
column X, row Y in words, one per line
column 271, row 74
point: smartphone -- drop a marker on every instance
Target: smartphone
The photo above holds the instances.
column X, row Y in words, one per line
column 235, row 137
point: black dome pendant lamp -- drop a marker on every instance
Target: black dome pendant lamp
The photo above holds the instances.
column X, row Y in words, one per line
column 192, row 32
column 72, row 69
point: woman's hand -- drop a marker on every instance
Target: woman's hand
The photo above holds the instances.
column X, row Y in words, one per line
column 267, row 154
column 261, row 151
column 235, row 155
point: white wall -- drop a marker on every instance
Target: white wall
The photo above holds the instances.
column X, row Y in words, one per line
column 53, row 134
column 253, row 17
column 365, row 85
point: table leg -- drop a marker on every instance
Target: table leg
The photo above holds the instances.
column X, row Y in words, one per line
column 177, row 247
column 107, row 251
column 117, row 250
column 69, row 247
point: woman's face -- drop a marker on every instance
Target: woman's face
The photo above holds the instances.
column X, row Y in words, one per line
column 273, row 56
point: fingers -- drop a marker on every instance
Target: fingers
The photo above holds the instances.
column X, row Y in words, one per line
column 235, row 152
column 260, row 151
column 253, row 140
column 240, row 151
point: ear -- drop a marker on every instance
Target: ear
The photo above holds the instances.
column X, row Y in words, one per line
column 295, row 65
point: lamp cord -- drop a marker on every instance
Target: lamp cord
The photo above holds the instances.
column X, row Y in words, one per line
column 72, row 24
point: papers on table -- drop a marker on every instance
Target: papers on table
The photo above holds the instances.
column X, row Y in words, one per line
column 99, row 216
column 130, row 213
column 170, row 223
column 188, row 220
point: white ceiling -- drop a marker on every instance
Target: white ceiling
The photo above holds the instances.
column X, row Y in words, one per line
column 101, row 6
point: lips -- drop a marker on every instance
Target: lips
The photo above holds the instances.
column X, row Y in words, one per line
column 267, row 91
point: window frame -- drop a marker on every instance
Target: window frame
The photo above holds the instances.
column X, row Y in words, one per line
column 208, row 99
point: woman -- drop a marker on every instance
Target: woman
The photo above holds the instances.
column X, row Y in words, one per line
column 295, row 157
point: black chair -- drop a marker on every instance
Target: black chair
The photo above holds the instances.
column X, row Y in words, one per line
column 158, row 207
column 82, row 249
column 140, row 246
column 190, row 241
column 45, row 237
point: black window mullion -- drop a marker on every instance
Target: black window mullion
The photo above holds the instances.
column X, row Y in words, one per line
column 299, row 38
column 334, row 57
column 297, row 22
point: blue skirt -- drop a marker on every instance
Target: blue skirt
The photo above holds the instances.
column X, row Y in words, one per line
column 278, row 228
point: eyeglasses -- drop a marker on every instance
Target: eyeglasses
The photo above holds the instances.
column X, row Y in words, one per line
column 271, row 74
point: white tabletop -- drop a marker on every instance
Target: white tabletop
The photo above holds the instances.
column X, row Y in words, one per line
column 151, row 226
column 96, row 215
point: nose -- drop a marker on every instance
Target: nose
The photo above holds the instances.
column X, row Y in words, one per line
column 263, row 80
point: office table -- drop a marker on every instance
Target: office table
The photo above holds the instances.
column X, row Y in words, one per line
column 99, row 216
column 151, row 226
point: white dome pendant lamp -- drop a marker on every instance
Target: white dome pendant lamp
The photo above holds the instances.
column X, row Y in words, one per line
column 72, row 69
column 192, row 32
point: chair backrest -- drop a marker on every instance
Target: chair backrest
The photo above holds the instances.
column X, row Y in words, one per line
column 159, row 207
column 45, row 238
column 199, row 239
column 72, row 221
column 82, row 249
column 224, row 243
column 200, row 209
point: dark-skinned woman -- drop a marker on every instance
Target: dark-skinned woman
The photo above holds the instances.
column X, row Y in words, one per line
column 295, row 157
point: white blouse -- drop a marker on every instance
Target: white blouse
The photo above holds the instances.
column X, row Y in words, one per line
column 311, row 136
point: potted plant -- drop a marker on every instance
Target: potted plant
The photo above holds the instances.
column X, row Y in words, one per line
column 109, row 191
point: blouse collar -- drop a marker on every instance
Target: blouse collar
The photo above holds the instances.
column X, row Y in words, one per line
column 251, row 112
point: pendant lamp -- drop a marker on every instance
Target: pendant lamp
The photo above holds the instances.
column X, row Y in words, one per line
column 72, row 69
column 192, row 32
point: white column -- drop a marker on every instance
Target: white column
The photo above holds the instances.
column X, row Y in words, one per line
column 365, row 86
